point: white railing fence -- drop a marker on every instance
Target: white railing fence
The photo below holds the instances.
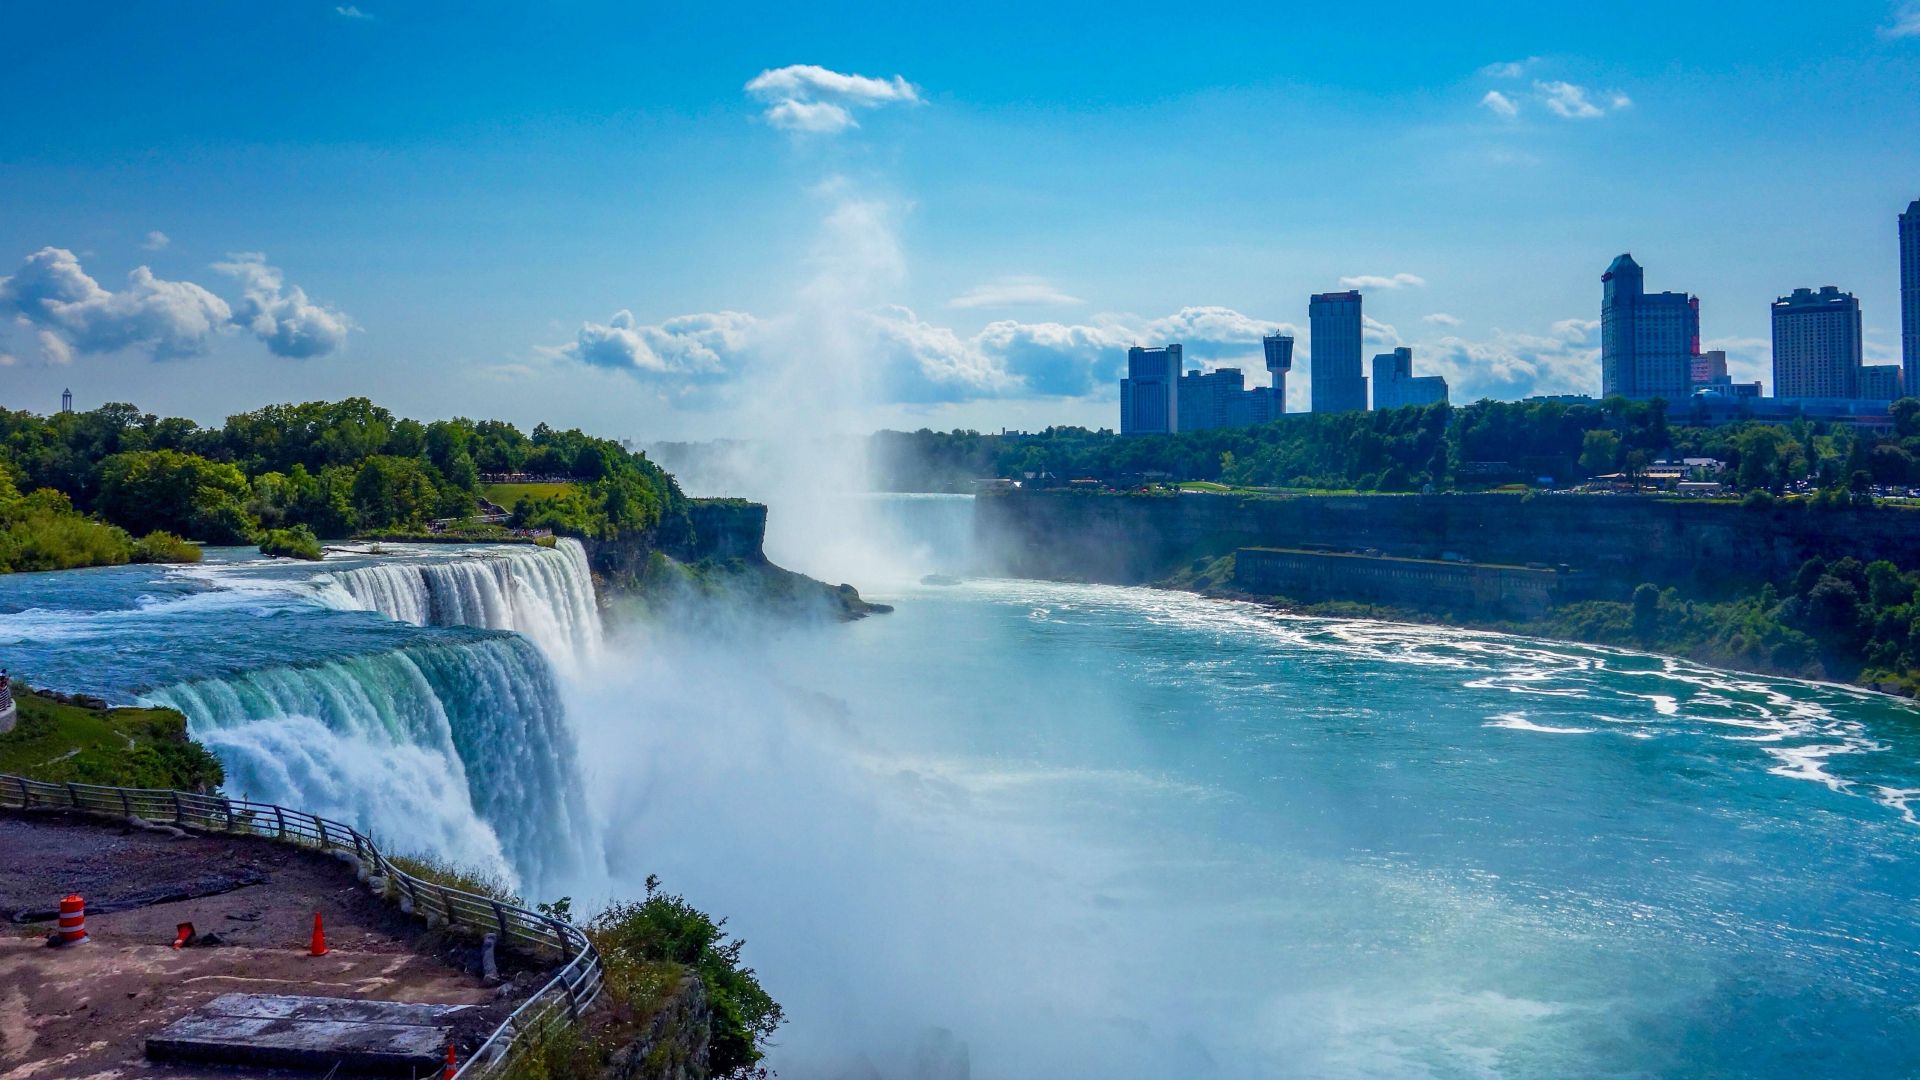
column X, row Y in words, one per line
column 563, row 1000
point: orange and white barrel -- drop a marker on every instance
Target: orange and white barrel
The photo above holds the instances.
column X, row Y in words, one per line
column 73, row 921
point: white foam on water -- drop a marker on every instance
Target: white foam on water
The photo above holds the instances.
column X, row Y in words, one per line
column 1519, row 722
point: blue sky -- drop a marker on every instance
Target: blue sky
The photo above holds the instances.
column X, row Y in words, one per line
column 653, row 221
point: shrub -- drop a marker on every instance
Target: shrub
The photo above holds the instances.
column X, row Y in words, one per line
column 164, row 547
column 665, row 928
column 295, row 543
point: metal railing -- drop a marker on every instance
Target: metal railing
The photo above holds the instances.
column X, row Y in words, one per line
column 563, row 1000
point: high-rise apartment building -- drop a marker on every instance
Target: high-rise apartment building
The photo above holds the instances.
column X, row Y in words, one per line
column 1879, row 382
column 1220, row 399
column 1647, row 340
column 1710, row 367
column 1816, row 344
column 1338, row 382
column 1150, row 394
column 1910, row 298
column 1279, row 349
column 1395, row 385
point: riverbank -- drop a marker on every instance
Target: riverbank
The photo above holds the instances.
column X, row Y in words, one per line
column 62, row 738
column 1825, row 595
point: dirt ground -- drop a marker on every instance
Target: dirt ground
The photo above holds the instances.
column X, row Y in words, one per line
column 85, row 1012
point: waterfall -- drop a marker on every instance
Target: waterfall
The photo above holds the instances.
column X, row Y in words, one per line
column 543, row 593
column 460, row 748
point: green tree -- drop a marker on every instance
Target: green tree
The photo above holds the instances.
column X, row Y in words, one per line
column 1598, row 452
column 145, row 491
column 393, row 492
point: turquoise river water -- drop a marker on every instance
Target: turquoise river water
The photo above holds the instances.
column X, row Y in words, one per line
column 1022, row 829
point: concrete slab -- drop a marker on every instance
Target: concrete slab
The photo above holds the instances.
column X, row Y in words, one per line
column 382, row 1038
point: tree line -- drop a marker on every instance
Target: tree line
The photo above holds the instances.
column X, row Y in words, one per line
column 319, row 469
column 1410, row 449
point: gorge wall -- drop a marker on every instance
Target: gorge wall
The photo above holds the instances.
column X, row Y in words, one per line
column 720, row 529
column 1707, row 546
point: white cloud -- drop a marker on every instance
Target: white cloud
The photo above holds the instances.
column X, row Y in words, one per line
column 54, row 348
column 156, row 241
column 1013, row 291
column 348, row 11
column 1499, row 104
column 918, row 362
column 1906, row 22
column 1441, row 318
column 1376, row 281
column 820, row 117
column 73, row 313
column 1509, row 69
column 688, row 348
column 1208, row 332
column 282, row 316
column 1566, row 360
column 810, row 98
column 1566, row 100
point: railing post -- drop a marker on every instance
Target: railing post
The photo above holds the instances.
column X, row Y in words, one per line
column 280, row 820
column 26, row 799
column 177, row 818
column 447, row 899
column 321, row 824
column 125, row 805
column 560, row 935
column 500, row 916
column 227, row 805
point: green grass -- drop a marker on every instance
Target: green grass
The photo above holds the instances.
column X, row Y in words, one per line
column 440, row 871
column 62, row 743
column 509, row 494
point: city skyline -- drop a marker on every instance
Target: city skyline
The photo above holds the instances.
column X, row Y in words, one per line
column 635, row 247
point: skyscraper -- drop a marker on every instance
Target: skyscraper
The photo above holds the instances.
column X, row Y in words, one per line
column 1279, row 349
column 1395, row 385
column 1910, row 298
column 1816, row 344
column 1150, row 394
column 1338, row 383
column 1647, row 340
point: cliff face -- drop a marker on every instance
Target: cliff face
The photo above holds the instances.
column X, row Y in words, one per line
column 1711, row 546
column 722, row 530
column 721, row 557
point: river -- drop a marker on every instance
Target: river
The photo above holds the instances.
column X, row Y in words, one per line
column 1022, row 829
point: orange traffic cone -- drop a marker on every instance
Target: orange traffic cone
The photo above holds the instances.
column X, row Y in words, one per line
column 450, row 1070
column 319, row 946
column 182, row 934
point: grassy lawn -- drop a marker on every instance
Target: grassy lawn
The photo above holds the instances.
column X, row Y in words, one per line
column 509, row 494
column 127, row 747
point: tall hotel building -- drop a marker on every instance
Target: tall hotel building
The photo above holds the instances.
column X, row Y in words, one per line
column 1338, row 382
column 1648, row 341
column 1816, row 344
column 1910, row 297
column 1150, row 394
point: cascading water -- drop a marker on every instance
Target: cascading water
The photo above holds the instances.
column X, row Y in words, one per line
column 458, row 748
column 544, row 593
